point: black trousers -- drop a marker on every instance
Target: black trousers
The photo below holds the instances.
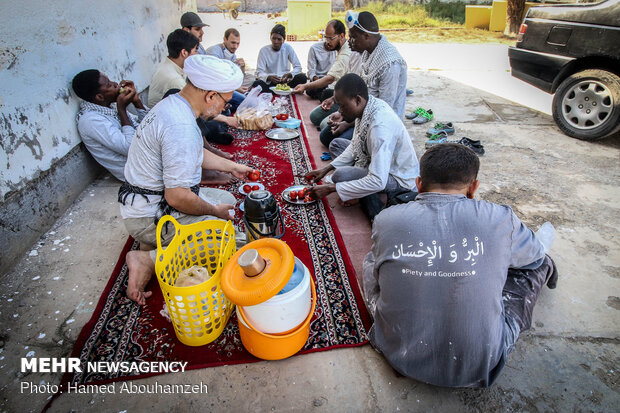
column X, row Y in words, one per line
column 298, row 79
column 522, row 289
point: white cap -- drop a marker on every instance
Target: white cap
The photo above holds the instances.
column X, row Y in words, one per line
column 212, row 73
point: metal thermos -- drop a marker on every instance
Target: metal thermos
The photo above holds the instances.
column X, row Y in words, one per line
column 262, row 216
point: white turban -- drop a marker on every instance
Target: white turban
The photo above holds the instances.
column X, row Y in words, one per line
column 212, row 73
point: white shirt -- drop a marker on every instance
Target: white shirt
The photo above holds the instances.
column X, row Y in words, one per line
column 168, row 75
column 106, row 140
column 277, row 63
column 342, row 62
column 221, row 52
column 165, row 153
column 355, row 62
column 391, row 87
column 391, row 153
column 320, row 60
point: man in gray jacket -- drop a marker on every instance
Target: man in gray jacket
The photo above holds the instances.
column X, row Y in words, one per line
column 450, row 280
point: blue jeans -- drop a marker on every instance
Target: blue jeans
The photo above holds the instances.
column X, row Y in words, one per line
column 326, row 136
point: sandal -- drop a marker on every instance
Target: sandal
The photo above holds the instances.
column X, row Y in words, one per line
column 432, row 142
column 420, row 115
column 424, row 117
column 475, row 146
column 441, row 127
column 414, row 114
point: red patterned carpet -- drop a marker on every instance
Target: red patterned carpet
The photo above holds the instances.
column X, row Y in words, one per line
column 122, row 331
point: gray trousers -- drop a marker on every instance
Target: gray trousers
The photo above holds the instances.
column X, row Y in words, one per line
column 338, row 145
column 144, row 229
column 371, row 204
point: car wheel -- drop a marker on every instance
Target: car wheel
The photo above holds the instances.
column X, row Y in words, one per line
column 586, row 105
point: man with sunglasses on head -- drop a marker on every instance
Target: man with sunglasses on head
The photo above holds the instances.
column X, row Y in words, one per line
column 165, row 161
column 383, row 69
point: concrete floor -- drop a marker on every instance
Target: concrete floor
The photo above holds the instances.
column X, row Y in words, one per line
column 568, row 361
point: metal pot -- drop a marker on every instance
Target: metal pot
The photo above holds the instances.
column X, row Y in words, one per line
column 262, row 216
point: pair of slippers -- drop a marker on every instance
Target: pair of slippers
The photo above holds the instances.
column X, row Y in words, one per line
column 420, row 116
column 438, row 139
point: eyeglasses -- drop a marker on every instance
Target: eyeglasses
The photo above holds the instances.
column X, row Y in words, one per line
column 329, row 38
column 226, row 102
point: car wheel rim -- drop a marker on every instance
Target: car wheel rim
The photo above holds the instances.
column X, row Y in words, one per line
column 587, row 105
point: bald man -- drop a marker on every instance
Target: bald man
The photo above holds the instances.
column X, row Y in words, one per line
column 164, row 165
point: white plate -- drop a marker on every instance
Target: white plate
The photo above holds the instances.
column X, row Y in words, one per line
column 281, row 92
column 242, row 192
column 282, row 134
column 287, row 198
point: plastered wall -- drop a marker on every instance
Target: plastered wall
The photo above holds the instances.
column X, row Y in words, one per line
column 43, row 44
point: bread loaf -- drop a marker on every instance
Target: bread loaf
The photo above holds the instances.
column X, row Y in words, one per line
column 192, row 276
column 250, row 119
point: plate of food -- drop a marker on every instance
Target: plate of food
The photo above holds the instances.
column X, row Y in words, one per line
column 282, row 89
column 282, row 134
column 298, row 195
column 248, row 187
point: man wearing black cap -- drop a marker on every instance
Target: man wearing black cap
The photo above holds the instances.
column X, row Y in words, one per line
column 275, row 60
column 191, row 22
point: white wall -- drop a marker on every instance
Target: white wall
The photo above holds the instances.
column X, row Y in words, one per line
column 43, row 44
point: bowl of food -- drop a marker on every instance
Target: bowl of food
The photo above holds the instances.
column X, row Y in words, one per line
column 282, row 89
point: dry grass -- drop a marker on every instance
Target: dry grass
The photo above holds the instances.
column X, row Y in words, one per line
column 408, row 23
column 458, row 34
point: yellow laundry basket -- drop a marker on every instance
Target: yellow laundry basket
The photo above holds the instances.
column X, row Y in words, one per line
column 199, row 313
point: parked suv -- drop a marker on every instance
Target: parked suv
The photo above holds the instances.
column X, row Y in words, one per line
column 574, row 52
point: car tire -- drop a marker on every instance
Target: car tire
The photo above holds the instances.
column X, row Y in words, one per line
column 586, row 105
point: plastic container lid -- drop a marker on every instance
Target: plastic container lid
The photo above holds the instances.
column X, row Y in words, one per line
column 296, row 277
column 246, row 290
column 291, row 123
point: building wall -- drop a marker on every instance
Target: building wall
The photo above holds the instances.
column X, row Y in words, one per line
column 43, row 44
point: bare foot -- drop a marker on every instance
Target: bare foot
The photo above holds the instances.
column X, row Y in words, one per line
column 218, row 152
column 348, row 203
column 210, row 177
column 141, row 269
column 223, row 154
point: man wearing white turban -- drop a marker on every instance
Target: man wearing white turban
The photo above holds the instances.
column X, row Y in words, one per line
column 165, row 161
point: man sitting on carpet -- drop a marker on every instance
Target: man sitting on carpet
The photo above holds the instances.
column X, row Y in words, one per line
column 383, row 69
column 275, row 60
column 192, row 23
column 169, row 78
column 226, row 50
column 450, row 280
column 103, row 122
column 164, row 165
column 335, row 43
column 380, row 158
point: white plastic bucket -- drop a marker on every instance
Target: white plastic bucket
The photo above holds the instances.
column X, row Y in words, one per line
column 282, row 312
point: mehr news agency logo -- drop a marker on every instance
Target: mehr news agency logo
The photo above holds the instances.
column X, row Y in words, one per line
column 73, row 365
